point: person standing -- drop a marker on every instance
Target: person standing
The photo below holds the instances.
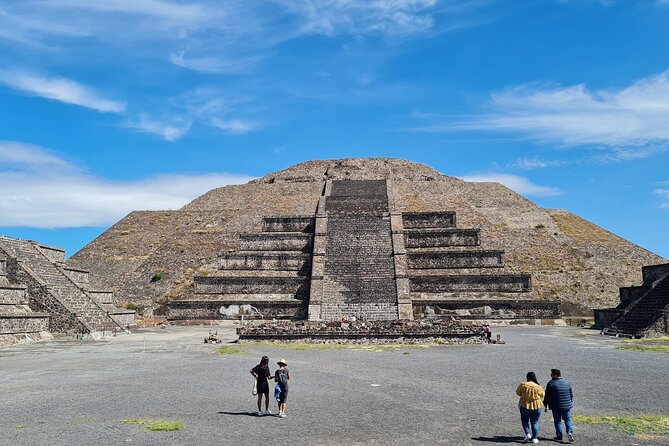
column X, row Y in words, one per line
column 559, row 398
column 530, row 405
column 281, row 377
column 262, row 374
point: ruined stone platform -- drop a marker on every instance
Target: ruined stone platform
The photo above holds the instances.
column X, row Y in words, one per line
column 363, row 332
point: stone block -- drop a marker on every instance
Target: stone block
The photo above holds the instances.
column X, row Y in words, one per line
column 455, row 259
column 288, row 224
column 442, row 238
column 419, row 220
column 478, row 283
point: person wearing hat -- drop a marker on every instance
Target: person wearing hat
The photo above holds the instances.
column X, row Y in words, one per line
column 281, row 377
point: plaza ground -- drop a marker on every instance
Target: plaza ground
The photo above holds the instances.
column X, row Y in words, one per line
column 66, row 391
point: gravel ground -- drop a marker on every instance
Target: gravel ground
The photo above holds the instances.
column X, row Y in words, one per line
column 67, row 392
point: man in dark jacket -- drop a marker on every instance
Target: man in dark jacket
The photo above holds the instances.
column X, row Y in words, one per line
column 559, row 398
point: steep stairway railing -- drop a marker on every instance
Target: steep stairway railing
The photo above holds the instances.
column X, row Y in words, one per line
column 93, row 316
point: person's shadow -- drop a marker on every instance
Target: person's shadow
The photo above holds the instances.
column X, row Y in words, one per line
column 498, row 439
column 250, row 414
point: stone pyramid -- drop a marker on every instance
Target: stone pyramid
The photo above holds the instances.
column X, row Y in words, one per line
column 375, row 237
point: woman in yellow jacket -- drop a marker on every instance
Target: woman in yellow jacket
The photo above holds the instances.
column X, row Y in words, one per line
column 530, row 404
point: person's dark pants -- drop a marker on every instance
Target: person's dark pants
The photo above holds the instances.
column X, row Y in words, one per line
column 558, row 416
column 528, row 416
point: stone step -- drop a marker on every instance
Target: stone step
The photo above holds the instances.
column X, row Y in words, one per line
column 471, row 283
column 267, row 260
column 289, row 224
column 359, row 188
column 356, row 206
column 430, row 238
column 297, row 286
column 276, row 242
column 456, row 259
column 13, row 294
column 260, row 273
column 424, row 220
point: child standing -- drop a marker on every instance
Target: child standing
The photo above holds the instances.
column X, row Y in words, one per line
column 281, row 377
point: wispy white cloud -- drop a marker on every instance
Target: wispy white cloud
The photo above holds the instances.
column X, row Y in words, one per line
column 234, row 126
column 630, row 121
column 50, row 192
column 516, row 183
column 170, row 129
column 60, row 89
column 535, row 163
column 664, row 194
column 350, row 16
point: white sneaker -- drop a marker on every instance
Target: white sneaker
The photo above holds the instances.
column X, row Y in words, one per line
column 268, row 412
column 260, row 413
column 535, row 440
column 527, row 438
column 282, row 414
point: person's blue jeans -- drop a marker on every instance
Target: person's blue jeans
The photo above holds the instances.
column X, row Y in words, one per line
column 558, row 416
column 528, row 416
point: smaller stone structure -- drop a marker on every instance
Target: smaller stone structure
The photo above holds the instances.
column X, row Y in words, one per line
column 643, row 310
column 17, row 321
column 42, row 293
column 363, row 332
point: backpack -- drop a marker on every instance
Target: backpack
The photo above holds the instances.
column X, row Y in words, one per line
column 282, row 378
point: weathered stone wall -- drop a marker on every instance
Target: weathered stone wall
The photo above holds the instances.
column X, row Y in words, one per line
column 78, row 276
column 265, row 261
column 42, row 301
column 426, row 220
column 13, row 294
column 456, row 259
column 397, row 331
column 209, row 309
column 23, row 323
column 56, row 255
column 297, row 286
column 482, row 283
column 490, row 309
column 442, row 238
column 276, row 242
column 288, row 224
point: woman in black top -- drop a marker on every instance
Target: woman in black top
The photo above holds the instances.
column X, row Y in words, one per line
column 262, row 374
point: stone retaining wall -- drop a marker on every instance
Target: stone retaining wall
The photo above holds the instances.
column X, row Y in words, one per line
column 288, row 224
column 472, row 283
column 489, row 309
column 298, row 286
column 420, row 220
column 209, row 309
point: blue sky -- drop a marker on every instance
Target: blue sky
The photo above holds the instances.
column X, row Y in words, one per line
column 115, row 105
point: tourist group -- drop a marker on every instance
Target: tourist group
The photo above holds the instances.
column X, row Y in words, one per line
column 557, row 397
column 261, row 386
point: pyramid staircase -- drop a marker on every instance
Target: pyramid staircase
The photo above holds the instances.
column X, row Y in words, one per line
column 61, row 291
column 642, row 309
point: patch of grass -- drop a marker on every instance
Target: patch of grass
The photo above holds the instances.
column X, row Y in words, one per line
column 155, row 425
column 645, row 348
column 657, row 340
column 229, row 350
column 642, row 425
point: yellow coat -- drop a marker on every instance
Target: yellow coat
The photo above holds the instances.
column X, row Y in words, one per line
column 531, row 395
